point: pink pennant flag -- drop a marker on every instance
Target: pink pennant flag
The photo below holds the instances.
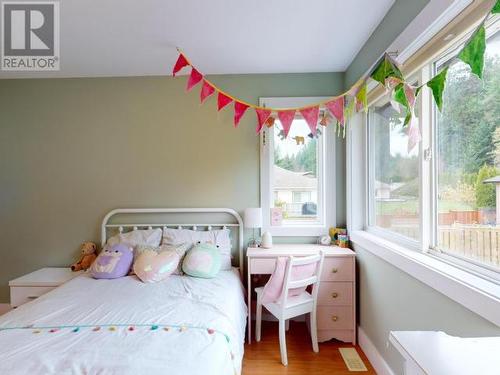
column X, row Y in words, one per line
column 262, row 116
column 222, row 101
column 239, row 111
column 336, row 108
column 206, row 90
column 311, row 114
column 181, row 63
column 286, row 119
column 414, row 136
column 194, row 78
column 410, row 94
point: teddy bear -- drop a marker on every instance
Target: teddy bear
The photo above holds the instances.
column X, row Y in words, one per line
column 88, row 250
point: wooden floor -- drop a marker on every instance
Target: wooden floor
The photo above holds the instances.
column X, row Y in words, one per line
column 264, row 357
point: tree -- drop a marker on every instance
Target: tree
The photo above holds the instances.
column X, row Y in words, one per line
column 485, row 193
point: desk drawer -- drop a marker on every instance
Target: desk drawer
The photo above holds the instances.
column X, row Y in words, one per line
column 262, row 266
column 338, row 269
column 23, row 294
column 334, row 293
column 335, row 317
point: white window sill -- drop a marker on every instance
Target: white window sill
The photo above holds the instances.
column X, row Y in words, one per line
column 475, row 293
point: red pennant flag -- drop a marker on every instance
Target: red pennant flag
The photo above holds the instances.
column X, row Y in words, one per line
column 222, row 101
column 194, row 78
column 181, row 63
column 311, row 114
column 336, row 108
column 262, row 116
column 286, row 119
column 239, row 111
column 206, row 90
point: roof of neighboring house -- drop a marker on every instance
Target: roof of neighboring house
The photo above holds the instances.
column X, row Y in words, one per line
column 492, row 180
column 285, row 179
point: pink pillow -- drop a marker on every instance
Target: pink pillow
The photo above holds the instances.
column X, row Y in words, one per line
column 274, row 287
column 153, row 267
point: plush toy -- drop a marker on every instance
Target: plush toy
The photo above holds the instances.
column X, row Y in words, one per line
column 89, row 250
column 114, row 261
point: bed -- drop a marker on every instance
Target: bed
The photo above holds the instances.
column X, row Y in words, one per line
column 183, row 325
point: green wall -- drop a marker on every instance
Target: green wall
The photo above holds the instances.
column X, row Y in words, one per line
column 390, row 300
column 395, row 21
column 73, row 149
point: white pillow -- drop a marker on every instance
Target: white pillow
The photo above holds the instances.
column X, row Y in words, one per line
column 147, row 237
column 219, row 238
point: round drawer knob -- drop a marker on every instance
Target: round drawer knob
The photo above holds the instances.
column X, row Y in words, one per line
column 335, row 318
column 335, row 295
column 334, row 270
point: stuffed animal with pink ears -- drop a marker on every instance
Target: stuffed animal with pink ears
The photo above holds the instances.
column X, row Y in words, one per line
column 89, row 254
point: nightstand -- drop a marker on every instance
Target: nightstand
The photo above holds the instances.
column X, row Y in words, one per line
column 28, row 287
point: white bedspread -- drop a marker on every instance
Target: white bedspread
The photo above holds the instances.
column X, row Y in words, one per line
column 189, row 307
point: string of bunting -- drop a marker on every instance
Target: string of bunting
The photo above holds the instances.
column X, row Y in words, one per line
column 340, row 108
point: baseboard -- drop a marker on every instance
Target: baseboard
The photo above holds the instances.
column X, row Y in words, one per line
column 4, row 307
column 373, row 355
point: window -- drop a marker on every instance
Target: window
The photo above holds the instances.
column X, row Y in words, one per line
column 395, row 179
column 467, row 163
column 443, row 197
column 293, row 174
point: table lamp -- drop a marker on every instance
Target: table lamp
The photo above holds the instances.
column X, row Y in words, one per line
column 253, row 219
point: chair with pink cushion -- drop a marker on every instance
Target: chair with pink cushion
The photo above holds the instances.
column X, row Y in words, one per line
column 285, row 296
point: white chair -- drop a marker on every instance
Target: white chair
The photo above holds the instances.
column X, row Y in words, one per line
column 289, row 307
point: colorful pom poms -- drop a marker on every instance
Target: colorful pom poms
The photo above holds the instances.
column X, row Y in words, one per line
column 112, row 328
column 210, row 331
column 76, row 329
column 96, row 329
column 53, row 330
column 37, row 331
column 166, row 329
column 182, row 329
column 131, row 328
column 154, row 328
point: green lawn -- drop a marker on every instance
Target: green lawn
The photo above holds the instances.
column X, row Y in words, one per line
column 409, row 207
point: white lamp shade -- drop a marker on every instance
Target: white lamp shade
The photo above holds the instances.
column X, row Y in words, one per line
column 253, row 218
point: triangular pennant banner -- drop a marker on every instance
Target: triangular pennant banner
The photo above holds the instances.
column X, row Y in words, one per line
column 414, row 136
column 473, row 52
column 194, row 78
column 239, row 111
column 206, row 90
column 286, row 119
column 361, row 99
column 311, row 114
column 180, row 63
column 222, row 101
column 437, row 84
column 496, row 8
column 262, row 116
column 410, row 94
column 336, row 108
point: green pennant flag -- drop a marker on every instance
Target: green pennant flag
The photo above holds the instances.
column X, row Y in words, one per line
column 386, row 68
column 473, row 52
column 399, row 96
column 437, row 84
column 496, row 8
column 361, row 96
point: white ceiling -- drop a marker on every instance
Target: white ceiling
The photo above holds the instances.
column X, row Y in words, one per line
column 138, row 37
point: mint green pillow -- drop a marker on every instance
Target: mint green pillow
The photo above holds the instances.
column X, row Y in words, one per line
column 203, row 260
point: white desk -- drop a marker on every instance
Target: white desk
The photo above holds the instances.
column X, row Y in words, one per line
column 441, row 354
column 336, row 313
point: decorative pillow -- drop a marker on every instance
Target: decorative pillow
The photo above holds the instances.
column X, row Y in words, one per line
column 179, row 249
column 152, row 267
column 112, row 262
column 220, row 238
column 149, row 237
column 274, row 288
column 203, row 260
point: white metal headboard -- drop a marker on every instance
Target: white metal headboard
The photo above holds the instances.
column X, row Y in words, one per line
column 194, row 226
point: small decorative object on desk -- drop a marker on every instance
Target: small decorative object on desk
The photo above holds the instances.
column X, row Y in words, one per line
column 89, row 254
column 325, row 240
column 267, row 240
column 343, row 240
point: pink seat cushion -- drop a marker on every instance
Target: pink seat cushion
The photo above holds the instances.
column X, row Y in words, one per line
column 274, row 288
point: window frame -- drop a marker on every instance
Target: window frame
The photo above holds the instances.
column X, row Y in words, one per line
column 326, row 180
column 428, row 160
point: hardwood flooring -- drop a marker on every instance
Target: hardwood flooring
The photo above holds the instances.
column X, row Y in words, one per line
column 264, row 357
